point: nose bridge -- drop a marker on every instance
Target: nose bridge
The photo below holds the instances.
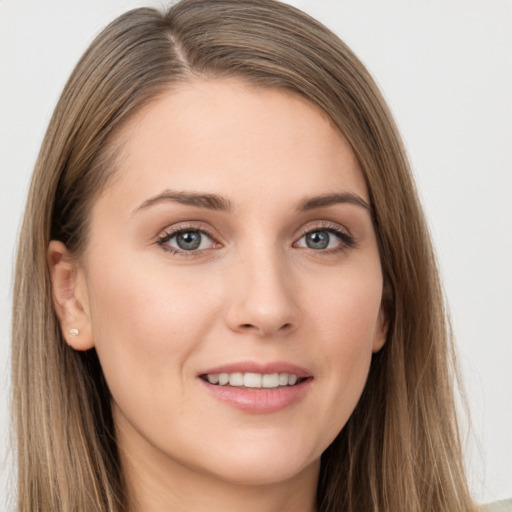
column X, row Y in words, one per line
column 262, row 296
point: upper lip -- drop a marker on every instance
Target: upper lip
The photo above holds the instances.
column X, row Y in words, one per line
column 259, row 367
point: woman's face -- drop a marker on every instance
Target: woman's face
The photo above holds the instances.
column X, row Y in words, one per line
column 234, row 242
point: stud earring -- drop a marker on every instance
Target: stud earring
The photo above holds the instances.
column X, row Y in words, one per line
column 73, row 332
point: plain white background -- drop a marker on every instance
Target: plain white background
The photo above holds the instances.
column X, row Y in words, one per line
column 445, row 68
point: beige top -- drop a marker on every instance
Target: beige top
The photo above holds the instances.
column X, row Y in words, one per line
column 498, row 506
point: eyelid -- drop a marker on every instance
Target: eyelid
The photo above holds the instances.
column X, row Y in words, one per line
column 170, row 232
column 346, row 239
column 323, row 225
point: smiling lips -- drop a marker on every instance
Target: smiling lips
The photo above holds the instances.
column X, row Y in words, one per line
column 253, row 380
column 258, row 389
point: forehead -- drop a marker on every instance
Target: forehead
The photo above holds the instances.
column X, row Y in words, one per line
column 229, row 138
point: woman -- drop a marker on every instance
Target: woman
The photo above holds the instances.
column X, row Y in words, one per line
column 225, row 290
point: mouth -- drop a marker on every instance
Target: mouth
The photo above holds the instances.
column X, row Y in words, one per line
column 258, row 388
column 252, row 380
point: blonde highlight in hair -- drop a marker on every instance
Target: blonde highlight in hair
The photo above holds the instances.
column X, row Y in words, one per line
column 400, row 450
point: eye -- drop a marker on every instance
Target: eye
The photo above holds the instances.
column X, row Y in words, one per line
column 186, row 240
column 319, row 240
column 326, row 239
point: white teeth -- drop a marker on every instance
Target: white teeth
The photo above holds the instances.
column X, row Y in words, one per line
column 253, row 380
column 213, row 378
column 270, row 380
column 236, row 379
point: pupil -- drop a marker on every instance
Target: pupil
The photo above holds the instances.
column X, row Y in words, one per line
column 317, row 240
column 189, row 240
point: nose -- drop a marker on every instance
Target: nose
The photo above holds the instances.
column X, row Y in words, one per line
column 262, row 299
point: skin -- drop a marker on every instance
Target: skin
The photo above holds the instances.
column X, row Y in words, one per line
column 253, row 292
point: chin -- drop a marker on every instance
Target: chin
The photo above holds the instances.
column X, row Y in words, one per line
column 267, row 473
column 254, row 464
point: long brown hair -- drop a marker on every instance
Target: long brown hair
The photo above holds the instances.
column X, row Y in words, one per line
column 400, row 450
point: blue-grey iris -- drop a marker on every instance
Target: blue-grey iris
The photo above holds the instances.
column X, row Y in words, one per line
column 188, row 240
column 318, row 239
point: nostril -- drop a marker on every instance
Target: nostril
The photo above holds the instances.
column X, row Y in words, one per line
column 285, row 327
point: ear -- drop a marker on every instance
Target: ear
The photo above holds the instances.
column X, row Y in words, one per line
column 381, row 330
column 69, row 291
column 382, row 327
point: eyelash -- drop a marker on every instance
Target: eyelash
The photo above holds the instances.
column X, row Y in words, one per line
column 346, row 240
column 168, row 235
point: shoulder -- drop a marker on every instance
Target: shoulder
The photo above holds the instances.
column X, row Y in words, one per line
column 498, row 506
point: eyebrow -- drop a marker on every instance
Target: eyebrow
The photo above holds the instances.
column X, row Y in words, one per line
column 209, row 201
column 219, row 203
column 330, row 199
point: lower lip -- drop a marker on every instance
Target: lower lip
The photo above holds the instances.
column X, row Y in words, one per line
column 259, row 400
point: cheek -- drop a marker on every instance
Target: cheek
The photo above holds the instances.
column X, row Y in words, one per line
column 345, row 310
column 346, row 321
column 145, row 326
